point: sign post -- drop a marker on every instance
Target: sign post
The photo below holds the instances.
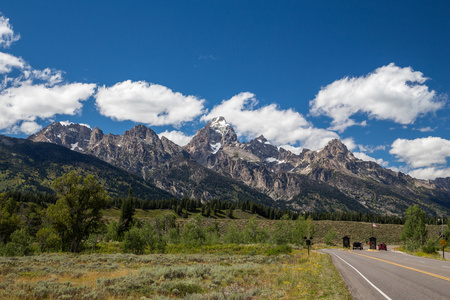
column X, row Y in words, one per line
column 443, row 244
column 308, row 242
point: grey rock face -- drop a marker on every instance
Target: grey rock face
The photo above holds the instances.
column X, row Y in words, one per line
column 331, row 175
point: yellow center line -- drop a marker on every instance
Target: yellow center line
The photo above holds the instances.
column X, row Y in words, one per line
column 395, row 264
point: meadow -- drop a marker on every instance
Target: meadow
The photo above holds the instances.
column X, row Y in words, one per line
column 220, row 274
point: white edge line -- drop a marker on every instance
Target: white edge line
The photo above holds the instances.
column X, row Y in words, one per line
column 373, row 285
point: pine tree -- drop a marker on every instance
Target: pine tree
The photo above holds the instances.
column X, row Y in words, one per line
column 126, row 214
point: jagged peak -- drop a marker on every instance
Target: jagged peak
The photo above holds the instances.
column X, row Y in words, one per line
column 262, row 139
column 336, row 144
column 219, row 123
column 139, row 130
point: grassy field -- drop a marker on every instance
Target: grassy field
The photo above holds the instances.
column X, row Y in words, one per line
column 167, row 276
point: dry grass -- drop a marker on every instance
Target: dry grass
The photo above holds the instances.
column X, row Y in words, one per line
column 168, row 276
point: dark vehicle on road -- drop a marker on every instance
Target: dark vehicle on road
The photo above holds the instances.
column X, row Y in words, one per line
column 382, row 246
column 357, row 245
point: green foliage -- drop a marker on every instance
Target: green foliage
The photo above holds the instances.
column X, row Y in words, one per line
column 9, row 219
column 19, row 245
column 253, row 233
column 112, row 230
column 414, row 231
column 193, row 234
column 78, row 211
column 429, row 247
column 134, row 241
column 330, row 237
column 126, row 214
column 447, row 231
column 282, row 233
column 48, row 239
column 233, row 234
column 279, row 249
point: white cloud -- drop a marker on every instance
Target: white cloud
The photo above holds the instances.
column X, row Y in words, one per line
column 389, row 93
column 7, row 35
column 27, row 128
column 33, row 94
column 423, row 152
column 151, row 104
column 281, row 127
column 430, row 173
column 425, row 129
column 350, row 144
column 8, row 61
column 28, row 102
column 366, row 157
column 177, row 137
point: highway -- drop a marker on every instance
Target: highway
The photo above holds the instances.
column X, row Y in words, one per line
column 373, row 274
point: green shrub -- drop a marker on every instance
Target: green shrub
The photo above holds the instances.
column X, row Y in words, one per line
column 48, row 239
column 330, row 237
column 134, row 241
column 280, row 249
column 20, row 244
column 233, row 235
column 429, row 247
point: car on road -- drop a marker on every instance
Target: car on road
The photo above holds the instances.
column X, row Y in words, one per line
column 382, row 246
column 357, row 245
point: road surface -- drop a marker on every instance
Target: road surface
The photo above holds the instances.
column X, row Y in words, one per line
column 372, row 274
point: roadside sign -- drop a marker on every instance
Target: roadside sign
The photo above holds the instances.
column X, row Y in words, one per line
column 443, row 243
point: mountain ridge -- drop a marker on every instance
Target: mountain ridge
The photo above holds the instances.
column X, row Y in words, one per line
column 331, row 175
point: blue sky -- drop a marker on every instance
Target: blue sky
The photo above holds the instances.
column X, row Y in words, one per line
column 374, row 74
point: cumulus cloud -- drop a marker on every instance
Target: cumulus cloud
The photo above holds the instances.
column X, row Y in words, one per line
column 366, row 157
column 28, row 102
column 8, row 62
column 430, row 173
column 350, row 144
column 26, row 127
column 177, row 137
column 426, row 157
column 33, row 94
column 7, row 35
column 389, row 93
column 151, row 104
column 423, row 152
column 281, row 127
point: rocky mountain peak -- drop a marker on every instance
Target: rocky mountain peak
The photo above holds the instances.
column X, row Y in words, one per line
column 263, row 149
column 143, row 134
column 96, row 136
column 67, row 134
column 261, row 139
column 220, row 132
column 216, row 135
column 335, row 149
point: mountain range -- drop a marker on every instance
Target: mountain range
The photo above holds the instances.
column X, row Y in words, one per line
column 215, row 164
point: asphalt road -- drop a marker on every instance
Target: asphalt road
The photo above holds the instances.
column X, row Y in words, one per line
column 392, row 275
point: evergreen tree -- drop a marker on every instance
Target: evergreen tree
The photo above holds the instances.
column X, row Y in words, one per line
column 126, row 214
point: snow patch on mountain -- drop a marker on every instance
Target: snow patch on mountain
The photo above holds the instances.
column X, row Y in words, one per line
column 215, row 147
column 68, row 123
column 219, row 125
column 75, row 146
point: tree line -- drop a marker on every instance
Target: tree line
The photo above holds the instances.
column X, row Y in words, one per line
column 67, row 220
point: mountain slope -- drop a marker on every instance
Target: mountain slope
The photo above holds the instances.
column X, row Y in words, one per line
column 331, row 178
column 159, row 161
column 214, row 164
column 31, row 167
